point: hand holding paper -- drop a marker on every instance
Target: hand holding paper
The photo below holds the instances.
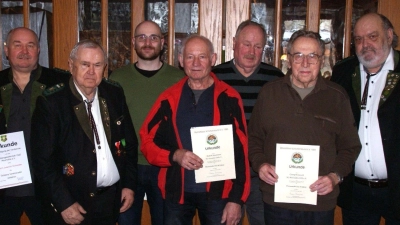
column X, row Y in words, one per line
column 187, row 159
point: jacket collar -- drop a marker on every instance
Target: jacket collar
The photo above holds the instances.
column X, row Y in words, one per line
column 81, row 113
column 392, row 78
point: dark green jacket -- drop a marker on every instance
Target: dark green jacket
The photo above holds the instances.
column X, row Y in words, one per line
column 42, row 78
column 347, row 74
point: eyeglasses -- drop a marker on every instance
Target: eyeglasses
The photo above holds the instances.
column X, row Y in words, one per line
column 312, row 58
column 143, row 38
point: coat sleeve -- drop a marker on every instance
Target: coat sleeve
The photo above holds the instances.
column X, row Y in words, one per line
column 44, row 137
column 158, row 139
column 241, row 185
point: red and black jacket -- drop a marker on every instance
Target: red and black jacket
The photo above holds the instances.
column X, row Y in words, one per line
column 160, row 139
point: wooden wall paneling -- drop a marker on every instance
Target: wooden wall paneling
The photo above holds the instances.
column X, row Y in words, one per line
column 347, row 28
column 313, row 15
column 137, row 16
column 25, row 11
column 391, row 9
column 236, row 12
column 278, row 33
column 65, row 17
column 171, row 32
column 104, row 29
column 210, row 24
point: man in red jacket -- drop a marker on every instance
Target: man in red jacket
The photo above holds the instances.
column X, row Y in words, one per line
column 199, row 99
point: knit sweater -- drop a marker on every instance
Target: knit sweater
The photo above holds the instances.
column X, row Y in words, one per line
column 141, row 92
column 322, row 118
column 248, row 87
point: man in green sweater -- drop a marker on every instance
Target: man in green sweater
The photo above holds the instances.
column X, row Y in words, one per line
column 142, row 82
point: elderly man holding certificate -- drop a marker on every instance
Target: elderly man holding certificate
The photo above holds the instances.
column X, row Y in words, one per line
column 302, row 139
column 197, row 125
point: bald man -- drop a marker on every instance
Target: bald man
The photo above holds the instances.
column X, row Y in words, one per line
column 142, row 82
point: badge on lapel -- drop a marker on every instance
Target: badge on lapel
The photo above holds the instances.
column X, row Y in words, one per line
column 118, row 146
column 68, row 169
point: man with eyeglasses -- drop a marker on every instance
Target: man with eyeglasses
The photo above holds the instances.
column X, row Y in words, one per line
column 306, row 110
column 143, row 82
column 371, row 79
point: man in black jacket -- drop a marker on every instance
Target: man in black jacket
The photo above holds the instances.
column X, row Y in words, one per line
column 85, row 148
column 21, row 84
column 372, row 82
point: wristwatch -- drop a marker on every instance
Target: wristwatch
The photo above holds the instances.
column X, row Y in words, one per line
column 340, row 178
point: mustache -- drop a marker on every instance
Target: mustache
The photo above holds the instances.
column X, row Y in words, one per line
column 23, row 56
column 366, row 49
column 249, row 56
column 147, row 47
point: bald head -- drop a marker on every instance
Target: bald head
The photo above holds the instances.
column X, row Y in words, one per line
column 18, row 30
column 148, row 24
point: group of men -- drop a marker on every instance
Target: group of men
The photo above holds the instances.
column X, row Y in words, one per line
column 83, row 148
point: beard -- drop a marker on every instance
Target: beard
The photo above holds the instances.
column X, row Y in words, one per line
column 148, row 56
column 372, row 58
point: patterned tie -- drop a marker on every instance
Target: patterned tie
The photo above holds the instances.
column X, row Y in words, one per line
column 365, row 94
column 92, row 123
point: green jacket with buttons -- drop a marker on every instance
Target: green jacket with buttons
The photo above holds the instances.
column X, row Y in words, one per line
column 43, row 78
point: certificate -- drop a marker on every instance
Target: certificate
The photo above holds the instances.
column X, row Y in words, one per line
column 297, row 168
column 214, row 145
column 14, row 166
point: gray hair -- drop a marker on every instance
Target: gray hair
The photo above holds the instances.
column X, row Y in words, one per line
column 308, row 34
column 86, row 44
column 194, row 36
column 388, row 25
column 247, row 23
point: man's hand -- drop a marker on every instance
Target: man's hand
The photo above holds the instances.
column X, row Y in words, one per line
column 325, row 184
column 187, row 159
column 267, row 174
column 231, row 214
column 126, row 199
column 73, row 214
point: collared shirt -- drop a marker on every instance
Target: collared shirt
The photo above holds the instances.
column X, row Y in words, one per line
column 20, row 120
column 107, row 172
column 371, row 163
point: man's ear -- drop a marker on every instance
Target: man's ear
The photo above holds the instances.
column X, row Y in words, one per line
column 6, row 50
column 389, row 34
column 180, row 59
column 213, row 59
column 70, row 65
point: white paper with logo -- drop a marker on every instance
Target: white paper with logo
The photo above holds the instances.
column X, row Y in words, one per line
column 214, row 145
column 14, row 166
column 297, row 168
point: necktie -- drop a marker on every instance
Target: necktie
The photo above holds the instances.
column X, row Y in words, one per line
column 92, row 123
column 365, row 94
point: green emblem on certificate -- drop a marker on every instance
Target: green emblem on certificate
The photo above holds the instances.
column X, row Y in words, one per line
column 297, row 158
column 212, row 139
column 3, row 138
